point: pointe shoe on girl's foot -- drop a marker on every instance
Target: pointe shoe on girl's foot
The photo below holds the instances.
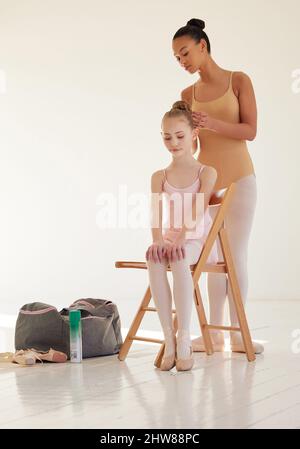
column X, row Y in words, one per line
column 168, row 362
column 183, row 347
column 185, row 364
column 237, row 345
column 217, row 341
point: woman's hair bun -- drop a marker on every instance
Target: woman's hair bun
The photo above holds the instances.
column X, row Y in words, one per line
column 181, row 106
column 197, row 23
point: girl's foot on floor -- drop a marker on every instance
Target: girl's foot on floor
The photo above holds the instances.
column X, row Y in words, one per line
column 168, row 359
column 217, row 339
column 184, row 351
column 237, row 344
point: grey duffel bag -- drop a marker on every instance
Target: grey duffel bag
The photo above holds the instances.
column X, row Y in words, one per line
column 42, row 327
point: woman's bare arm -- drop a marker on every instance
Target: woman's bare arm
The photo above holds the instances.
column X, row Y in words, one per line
column 247, row 127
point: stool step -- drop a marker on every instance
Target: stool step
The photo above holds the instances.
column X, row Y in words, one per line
column 152, row 340
column 219, row 267
column 224, row 328
column 153, row 309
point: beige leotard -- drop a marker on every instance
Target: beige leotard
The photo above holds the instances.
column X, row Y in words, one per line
column 230, row 157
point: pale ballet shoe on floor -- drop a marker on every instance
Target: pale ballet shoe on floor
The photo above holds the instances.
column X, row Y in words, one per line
column 25, row 357
column 217, row 341
column 28, row 357
column 237, row 345
column 185, row 364
column 51, row 356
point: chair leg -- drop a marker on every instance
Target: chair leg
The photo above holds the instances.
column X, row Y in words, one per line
column 135, row 325
column 240, row 310
column 203, row 321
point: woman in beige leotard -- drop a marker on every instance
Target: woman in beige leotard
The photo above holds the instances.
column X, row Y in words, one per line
column 224, row 110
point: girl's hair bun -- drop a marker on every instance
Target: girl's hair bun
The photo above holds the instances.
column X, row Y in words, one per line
column 180, row 109
column 181, row 106
column 197, row 23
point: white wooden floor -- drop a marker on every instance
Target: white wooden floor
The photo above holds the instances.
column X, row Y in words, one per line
column 222, row 391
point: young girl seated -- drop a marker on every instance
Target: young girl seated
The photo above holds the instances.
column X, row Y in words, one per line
column 178, row 244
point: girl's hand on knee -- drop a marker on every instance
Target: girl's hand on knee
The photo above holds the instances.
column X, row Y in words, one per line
column 176, row 251
column 156, row 251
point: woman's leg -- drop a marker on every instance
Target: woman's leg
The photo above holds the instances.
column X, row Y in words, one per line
column 238, row 226
column 238, row 223
column 217, row 293
column 216, row 287
column 183, row 291
column 162, row 297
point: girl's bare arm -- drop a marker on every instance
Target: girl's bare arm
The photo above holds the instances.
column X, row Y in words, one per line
column 156, row 206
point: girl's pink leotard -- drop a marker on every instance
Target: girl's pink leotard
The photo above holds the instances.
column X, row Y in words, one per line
column 176, row 207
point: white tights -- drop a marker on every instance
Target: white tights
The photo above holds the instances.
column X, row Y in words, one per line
column 183, row 292
column 238, row 223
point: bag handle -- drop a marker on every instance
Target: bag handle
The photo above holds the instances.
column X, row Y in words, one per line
column 84, row 306
column 88, row 304
column 78, row 307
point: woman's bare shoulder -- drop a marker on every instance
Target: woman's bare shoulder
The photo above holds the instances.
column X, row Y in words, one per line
column 187, row 94
column 240, row 79
column 239, row 76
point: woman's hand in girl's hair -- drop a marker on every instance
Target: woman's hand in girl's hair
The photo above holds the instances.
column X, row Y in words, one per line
column 203, row 120
column 156, row 251
column 176, row 250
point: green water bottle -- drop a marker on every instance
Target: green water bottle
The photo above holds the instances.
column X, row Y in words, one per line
column 75, row 336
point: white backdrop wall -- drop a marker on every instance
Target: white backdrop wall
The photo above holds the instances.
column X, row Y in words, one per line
column 84, row 85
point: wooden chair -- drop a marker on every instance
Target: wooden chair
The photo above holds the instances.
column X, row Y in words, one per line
column 222, row 199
